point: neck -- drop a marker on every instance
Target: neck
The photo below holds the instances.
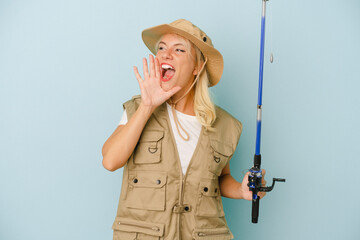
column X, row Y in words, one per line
column 186, row 104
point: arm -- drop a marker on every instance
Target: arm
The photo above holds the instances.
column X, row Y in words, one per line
column 231, row 188
column 120, row 145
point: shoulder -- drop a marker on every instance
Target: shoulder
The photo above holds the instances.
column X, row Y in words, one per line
column 225, row 118
column 227, row 131
column 227, row 126
column 133, row 102
column 132, row 105
column 135, row 99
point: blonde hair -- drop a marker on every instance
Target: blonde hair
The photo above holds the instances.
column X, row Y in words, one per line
column 203, row 105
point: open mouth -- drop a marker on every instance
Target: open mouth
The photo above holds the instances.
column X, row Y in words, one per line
column 168, row 72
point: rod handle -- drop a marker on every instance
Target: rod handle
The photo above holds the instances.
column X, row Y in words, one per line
column 255, row 210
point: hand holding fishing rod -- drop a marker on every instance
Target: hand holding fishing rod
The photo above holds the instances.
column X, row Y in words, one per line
column 255, row 176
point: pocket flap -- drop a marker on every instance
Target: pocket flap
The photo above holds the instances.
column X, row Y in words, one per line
column 209, row 187
column 130, row 225
column 213, row 233
column 151, row 136
column 223, row 148
column 146, row 179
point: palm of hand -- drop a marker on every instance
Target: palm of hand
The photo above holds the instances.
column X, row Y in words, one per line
column 153, row 94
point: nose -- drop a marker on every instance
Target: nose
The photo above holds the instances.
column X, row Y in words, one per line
column 166, row 54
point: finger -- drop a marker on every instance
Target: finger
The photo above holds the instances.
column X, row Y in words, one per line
column 261, row 194
column 139, row 79
column 152, row 66
column 137, row 74
column 263, row 183
column 246, row 176
column 157, row 69
column 146, row 70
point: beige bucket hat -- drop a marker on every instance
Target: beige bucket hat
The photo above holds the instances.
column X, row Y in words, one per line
column 214, row 65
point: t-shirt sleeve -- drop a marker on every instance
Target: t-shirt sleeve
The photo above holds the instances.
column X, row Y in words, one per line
column 124, row 119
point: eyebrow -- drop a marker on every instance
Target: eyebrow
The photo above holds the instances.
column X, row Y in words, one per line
column 177, row 44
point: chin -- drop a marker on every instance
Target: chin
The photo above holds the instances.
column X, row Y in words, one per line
column 166, row 86
column 171, row 83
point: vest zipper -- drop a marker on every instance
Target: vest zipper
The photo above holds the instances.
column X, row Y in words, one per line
column 201, row 234
column 191, row 160
column 184, row 176
column 180, row 202
column 139, row 225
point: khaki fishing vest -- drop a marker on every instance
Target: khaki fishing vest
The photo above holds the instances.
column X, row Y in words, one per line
column 157, row 201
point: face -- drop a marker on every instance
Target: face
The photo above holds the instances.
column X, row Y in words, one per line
column 177, row 60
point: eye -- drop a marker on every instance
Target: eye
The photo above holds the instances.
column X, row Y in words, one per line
column 160, row 48
column 180, row 50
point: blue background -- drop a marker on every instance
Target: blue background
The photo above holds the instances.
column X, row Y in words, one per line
column 66, row 69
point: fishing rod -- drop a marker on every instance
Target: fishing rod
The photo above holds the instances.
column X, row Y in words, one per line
column 255, row 176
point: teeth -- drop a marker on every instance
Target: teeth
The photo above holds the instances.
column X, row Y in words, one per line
column 165, row 66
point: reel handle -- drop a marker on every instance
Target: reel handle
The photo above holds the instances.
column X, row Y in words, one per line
column 268, row 189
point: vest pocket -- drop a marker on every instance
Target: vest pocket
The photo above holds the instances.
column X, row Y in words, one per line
column 213, row 233
column 146, row 190
column 148, row 149
column 221, row 153
column 209, row 202
column 128, row 229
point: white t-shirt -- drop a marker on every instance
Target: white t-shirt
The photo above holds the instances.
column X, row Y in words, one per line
column 190, row 124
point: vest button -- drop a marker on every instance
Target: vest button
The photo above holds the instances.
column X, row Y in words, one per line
column 158, row 181
column 206, row 189
column 186, row 208
column 135, row 180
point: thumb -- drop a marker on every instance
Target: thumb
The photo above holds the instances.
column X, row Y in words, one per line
column 246, row 177
column 172, row 91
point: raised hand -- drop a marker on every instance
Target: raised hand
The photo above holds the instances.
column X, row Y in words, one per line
column 152, row 95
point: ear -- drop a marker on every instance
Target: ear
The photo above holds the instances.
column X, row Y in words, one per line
column 195, row 72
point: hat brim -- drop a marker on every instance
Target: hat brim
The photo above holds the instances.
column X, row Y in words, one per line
column 215, row 62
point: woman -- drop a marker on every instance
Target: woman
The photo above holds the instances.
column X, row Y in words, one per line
column 175, row 143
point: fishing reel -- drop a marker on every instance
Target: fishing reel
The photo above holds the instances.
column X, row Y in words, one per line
column 255, row 178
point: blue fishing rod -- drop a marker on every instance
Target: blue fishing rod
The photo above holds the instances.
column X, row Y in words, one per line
column 255, row 176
